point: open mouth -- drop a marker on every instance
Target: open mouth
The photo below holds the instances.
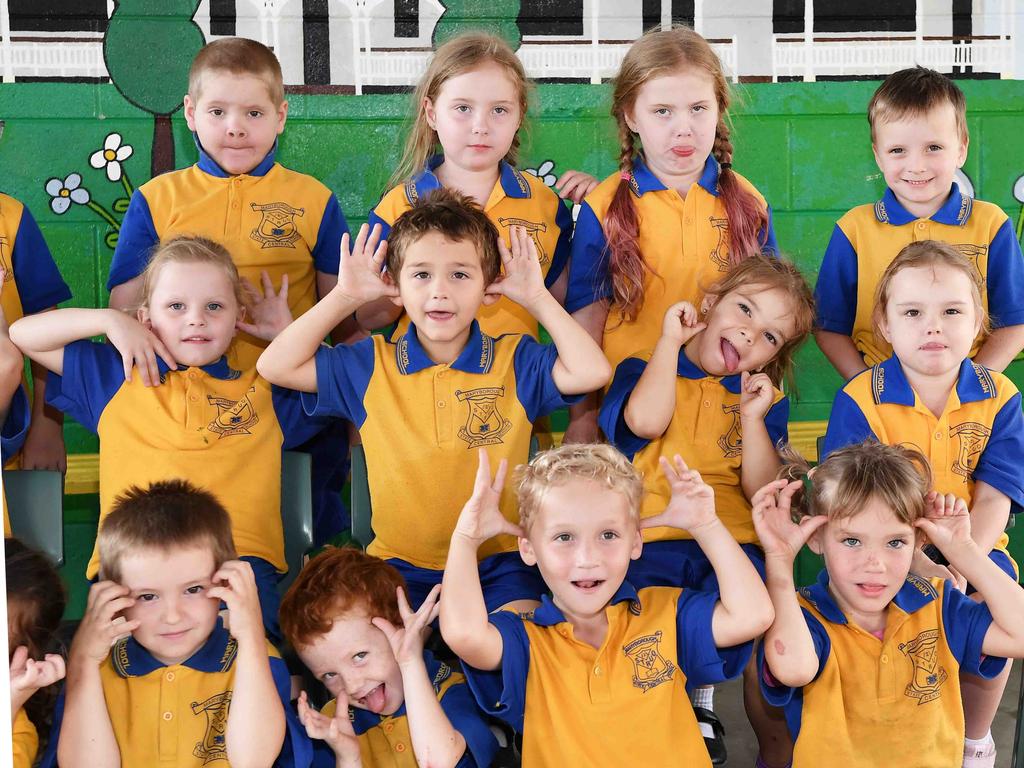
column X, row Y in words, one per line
column 917, row 182
column 374, row 700
column 871, row 590
column 730, row 356
column 933, row 347
column 588, row 586
column 440, row 316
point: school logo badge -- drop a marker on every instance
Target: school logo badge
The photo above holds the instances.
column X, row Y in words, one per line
column 731, row 442
column 971, row 440
column 720, row 255
column 234, row 417
column 973, row 252
column 928, row 675
column 650, row 668
column 533, row 228
column 484, row 424
column 213, row 746
column 5, row 262
column 277, row 225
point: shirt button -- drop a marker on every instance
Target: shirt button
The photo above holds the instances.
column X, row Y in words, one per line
column 885, row 659
column 597, row 671
column 170, row 676
column 399, row 747
column 440, row 403
column 921, row 225
column 168, row 715
column 234, row 205
column 193, row 398
column 938, row 435
column 388, row 727
column 689, row 220
column 707, row 403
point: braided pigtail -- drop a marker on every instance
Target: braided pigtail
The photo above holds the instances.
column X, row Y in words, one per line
column 748, row 220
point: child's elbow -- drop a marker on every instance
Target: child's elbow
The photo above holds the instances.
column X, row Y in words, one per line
column 763, row 616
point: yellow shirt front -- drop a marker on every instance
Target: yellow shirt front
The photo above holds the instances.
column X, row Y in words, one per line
column 25, row 741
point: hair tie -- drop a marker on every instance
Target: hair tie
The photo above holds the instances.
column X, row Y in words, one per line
column 625, row 175
column 725, row 166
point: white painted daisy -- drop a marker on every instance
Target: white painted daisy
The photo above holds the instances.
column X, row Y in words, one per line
column 66, row 192
column 111, row 156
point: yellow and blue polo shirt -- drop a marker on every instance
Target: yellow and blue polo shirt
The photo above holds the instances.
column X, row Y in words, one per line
column 685, row 242
column 12, row 437
column 518, row 199
column 421, row 424
column 895, row 701
column 385, row 740
column 271, row 218
column 705, row 430
column 220, row 428
column 867, row 239
column 578, row 705
column 25, row 741
column 177, row 715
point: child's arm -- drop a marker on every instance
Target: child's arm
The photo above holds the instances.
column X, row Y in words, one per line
column 435, row 742
column 86, row 734
column 743, row 611
column 583, row 415
column 990, row 510
column 464, row 623
column 841, row 352
column 761, row 461
column 290, row 361
column 29, row 675
column 1001, row 346
column 337, row 731
column 11, row 365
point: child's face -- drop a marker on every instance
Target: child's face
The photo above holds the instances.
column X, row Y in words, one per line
column 193, row 311
column 176, row 614
column 235, row 118
column 354, row 658
column 476, row 116
column 931, row 319
column 745, row 330
column 676, row 117
column 582, row 539
column 918, row 156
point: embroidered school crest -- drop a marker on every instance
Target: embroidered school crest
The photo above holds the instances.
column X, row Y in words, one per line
column 533, row 228
column 484, row 424
column 731, row 442
column 973, row 252
column 213, row 746
column 234, row 417
column 720, row 255
column 650, row 668
column 5, row 261
column 277, row 226
column 971, row 439
column 928, row 675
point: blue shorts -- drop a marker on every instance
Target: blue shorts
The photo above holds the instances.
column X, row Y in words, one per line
column 682, row 563
column 267, row 578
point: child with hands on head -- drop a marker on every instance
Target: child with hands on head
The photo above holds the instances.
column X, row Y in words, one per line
column 348, row 618
column 870, row 645
column 599, row 658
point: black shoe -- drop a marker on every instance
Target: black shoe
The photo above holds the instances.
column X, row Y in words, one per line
column 715, row 744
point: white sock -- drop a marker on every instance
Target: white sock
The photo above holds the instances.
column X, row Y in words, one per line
column 979, row 747
column 704, row 697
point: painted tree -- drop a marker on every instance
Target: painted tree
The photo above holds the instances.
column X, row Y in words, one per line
column 148, row 48
column 469, row 15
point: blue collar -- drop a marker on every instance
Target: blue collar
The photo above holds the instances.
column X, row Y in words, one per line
column 548, row 614
column 512, row 182
column 476, row 357
column 219, row 369
column 217, row 654
column 955, row 211
column 912, row 596
column 208, row 165
column 689, row 370
column 363, row 719
column 642, row 180
column 889, row 383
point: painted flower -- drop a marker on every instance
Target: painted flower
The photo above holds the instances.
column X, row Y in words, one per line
column 544, row 172
column 64, row 193
column 111, row 156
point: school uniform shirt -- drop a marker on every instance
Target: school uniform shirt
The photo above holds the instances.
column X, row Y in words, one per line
column 518, row 199
column 12, row 437
column 895, row 701
column 421, row 424
column 705, row 430
column 867, row 239
column 622, row 704
column 271, row 218
column 177, row 715
column 685, row 242
column 25, row 741
column 386, row 742
column 220, row 428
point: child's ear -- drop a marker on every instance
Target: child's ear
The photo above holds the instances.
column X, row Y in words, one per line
column 190, row 112
column 490, row 298
column 526, row 551
column 630, row 121
column 815, row 543
column 961, row 158
column 429, row 113
column 142, row 315
column 707, row 303
column 883, row 325
column 638, row 544
column 282, row 116
column 387, row 279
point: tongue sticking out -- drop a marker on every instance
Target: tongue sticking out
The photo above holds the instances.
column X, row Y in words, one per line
column 375, row 699
column 730, row 356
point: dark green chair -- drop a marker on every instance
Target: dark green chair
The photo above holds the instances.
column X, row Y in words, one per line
column 362, row 515
column 35, row 505
column 296, row 512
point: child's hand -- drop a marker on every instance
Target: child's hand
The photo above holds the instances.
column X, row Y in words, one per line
column 29, row 675
column 523, row 281
column 756, row 395
column 269, row 310
column 692, row 505
column 361, row 269
column 407, row 642
column 772, row 513
column 680, row 323
column 946, row 523
column 481, row 517
column 575, row 185
column 336, row 731
column 138, row 346
column 102, row 624
column 923, row 566
column 236, row 586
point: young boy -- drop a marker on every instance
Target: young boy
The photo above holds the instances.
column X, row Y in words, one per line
column 919, row 137
column 599, row 660
column 347, row 617
column 154, row 676
column 424, row 400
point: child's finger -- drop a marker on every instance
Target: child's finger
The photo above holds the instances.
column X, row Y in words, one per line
column 360, row 243
column 379, row 255
column 20, row 655
column 283, row 293
column 346, row 245
column 809, row 524
column 483, row 470
column 787, row 491
column 681, row 469
column 404, row 609
column 384, row 626
column 503, row 250
column 667, row 470
column 373, row 239
column 268, row 286
column 960, row 508
column 499, row 476
column 161, row 349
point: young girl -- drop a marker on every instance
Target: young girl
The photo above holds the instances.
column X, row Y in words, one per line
column 865, row 660
column 965, row 418
column 675, row 216
column 188, row 413
column 709, row 392
column 35, row 604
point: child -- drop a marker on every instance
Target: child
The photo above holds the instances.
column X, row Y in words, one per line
column 965, row 418
column 424, row 399
column 187, row 413
column 919, row 137
column 154, row 676
column 14, row 407
column 347, row 617
column 600, row 659
column 35, row 604
column 865, row 660
column 709, row 391
column 675, row 216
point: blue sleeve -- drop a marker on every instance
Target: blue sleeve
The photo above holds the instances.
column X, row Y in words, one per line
column 1000, row 463
column 779, row 695
column 588, row 265
column 93, row 373
column 466, row 718
column 502, row 692
column 701, row 661
column 846, row 425
column 612, row 417
column 327, row 251
column 1005, row 277
column 342, row 377
column 15, row 426
column 835, row 293
column 296, row 426
column 776, row 421
column 40, row 285
column 135, row 241
column 966, row 623
column 49, row 756
column 771, row 244
column 385, row 228
column 535, row 386
column 563, row 220
column 297, row 750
